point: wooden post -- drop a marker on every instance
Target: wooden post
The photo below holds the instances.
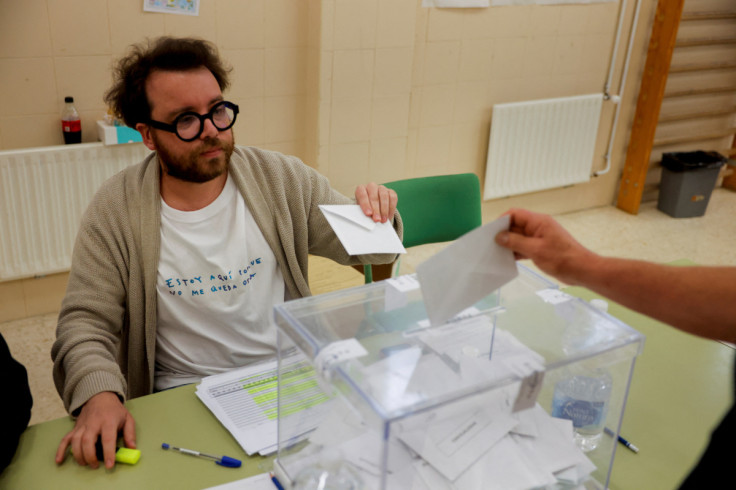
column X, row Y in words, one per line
column 651, row 92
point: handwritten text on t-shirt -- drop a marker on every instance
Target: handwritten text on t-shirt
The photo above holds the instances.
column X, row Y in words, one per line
column 199, row 285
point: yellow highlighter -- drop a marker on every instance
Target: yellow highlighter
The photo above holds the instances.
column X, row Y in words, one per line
column 124, row 455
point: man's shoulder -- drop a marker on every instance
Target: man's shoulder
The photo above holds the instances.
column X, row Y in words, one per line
column 259, row 157
column 258, row 163
column 127, row 182
column 132, row 174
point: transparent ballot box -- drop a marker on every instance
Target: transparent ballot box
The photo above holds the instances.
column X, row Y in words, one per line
column 525, row 389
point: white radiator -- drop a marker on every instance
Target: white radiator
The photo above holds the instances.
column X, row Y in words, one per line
column 43, row 193
column 541, row 144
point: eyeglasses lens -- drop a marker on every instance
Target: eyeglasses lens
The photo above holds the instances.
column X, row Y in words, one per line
column 189, row 126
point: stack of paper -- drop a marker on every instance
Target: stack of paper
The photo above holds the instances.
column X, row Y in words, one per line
column 525, row 450
column 499, row 438
column 245, row 401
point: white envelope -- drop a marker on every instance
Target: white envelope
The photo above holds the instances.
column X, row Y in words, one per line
column 466, row 271
column 358, row 233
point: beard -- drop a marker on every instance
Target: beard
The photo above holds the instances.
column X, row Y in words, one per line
column 190, row 167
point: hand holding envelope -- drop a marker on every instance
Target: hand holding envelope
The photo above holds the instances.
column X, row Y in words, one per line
column 358, row 233
column 466, row 271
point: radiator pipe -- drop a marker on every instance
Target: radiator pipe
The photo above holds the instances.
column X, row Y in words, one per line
column 614, row 55
column 616, row 99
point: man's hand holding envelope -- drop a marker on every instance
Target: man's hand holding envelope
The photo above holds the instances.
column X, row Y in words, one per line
column 466, row 271
column 358, row 233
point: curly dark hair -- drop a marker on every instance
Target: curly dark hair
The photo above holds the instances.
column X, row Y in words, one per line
column 127, row 97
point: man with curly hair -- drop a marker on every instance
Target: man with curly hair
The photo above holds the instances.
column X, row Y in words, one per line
column 180, row 259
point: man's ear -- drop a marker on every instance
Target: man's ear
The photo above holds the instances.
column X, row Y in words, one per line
column 145, row 131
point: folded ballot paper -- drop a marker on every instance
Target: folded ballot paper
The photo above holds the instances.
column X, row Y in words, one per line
column 489, row 441
column 480, row 442
column 358, row 233
column 467, row 270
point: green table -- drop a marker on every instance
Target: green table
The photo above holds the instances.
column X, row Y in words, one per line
column 680, row 389
column 174, row 416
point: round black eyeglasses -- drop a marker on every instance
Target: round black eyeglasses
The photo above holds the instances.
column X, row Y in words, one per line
column 189, row 125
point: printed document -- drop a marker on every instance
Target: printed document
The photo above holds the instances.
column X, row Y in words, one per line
column 245, row 401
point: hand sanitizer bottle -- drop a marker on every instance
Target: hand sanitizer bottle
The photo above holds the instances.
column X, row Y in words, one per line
column 582, row 396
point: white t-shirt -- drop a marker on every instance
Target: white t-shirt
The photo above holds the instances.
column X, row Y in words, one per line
column 217, row 283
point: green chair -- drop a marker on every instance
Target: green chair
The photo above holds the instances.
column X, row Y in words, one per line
column 434, row 209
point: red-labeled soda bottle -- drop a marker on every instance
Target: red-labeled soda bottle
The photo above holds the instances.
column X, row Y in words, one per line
column 70, row 122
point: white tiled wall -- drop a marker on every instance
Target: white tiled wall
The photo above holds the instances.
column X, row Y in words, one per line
column 416, row 86
column 313, row 76
column 53, row 48
column 363, row 90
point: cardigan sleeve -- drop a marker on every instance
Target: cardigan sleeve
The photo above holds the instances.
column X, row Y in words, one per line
column 88, row 333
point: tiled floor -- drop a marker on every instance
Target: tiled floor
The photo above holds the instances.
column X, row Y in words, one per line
column 651, row 235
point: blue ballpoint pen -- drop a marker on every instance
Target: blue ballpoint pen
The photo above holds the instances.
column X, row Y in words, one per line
column 622, row 441
column 226, row 461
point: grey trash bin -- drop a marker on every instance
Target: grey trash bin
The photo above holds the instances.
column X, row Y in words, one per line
column 688, row 179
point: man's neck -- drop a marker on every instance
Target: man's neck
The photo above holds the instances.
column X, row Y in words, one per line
column 190, row 196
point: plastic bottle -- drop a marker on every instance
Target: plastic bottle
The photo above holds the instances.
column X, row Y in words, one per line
column 583, row 399
column 71, row 125
column 582, row 396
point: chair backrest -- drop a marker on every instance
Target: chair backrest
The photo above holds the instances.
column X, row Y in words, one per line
column 436, row 209
column 439, row 208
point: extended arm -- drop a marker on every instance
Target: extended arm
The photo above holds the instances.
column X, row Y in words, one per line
column 698, row 300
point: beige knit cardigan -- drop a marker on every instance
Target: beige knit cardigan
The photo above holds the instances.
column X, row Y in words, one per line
column 106, row 333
